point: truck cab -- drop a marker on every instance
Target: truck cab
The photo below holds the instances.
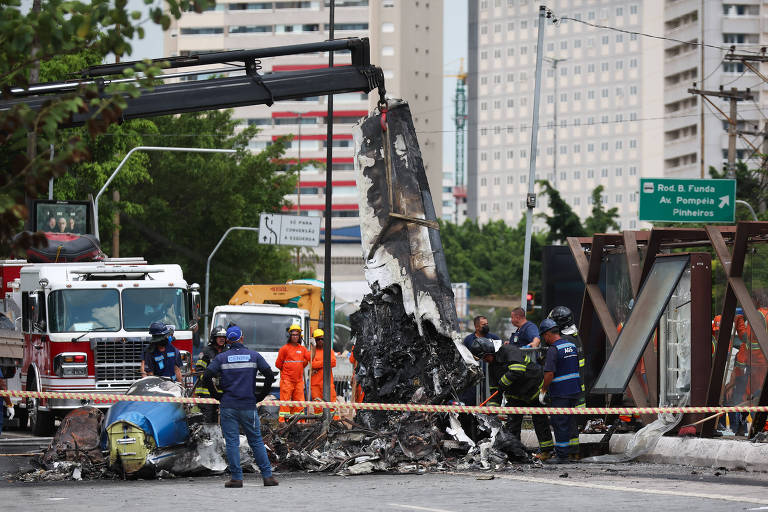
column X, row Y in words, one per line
column 265, row 328
column 85, row 327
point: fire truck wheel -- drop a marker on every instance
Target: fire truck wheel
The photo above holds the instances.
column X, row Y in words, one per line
column 41, row 423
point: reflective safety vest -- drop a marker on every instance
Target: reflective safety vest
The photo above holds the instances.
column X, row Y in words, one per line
column 515, row 373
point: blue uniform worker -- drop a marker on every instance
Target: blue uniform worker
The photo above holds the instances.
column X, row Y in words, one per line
column 526, row 334
column 162, row 359
column 561, row 382
column 237, row 368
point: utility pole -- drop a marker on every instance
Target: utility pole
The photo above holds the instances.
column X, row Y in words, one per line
column 531, row 197
column 298, row 194
column 733, row 96
column 554, row 61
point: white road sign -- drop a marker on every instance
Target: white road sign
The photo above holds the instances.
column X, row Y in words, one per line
column 276, row 229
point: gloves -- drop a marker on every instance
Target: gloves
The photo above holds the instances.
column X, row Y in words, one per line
column 11, row 412
column 543, row 398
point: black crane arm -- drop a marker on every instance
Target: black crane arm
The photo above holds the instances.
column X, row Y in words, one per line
column 219, row 93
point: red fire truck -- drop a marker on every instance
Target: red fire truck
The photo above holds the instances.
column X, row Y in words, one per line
column 85, row 326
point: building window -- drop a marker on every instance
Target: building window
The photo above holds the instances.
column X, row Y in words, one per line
column 604, row 93
column 510, row 77
column 633, row 90
column 633, row 171
column 577, row 96
column 576, row 200
column 387, row 28
column 590, row 148
column 199, row 31
column 618, row 171
column 576, row 175
column 510, row 51
column 510, row 102
column 577, row 148
column 633, row 63
column 605, row 40
column 633, row 143
column 483, row 157
column 604, row 66
column 249, row 29
column 577, row 69
column 632, row 9
column 483, row 182
column 483, row 55
column 619, row 11
column 604, row 147
column 618, row 144
column 590, row 173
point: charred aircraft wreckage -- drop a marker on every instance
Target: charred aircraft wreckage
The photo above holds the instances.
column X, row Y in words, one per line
column 407, row 347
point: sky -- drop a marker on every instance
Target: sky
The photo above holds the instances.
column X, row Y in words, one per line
column 454, row 48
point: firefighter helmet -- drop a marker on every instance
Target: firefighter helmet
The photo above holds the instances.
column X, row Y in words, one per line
column 218, row 332
column 481, row 347
column 294, row 327
column 562, row 316
column 318, row 333
column 159, row 329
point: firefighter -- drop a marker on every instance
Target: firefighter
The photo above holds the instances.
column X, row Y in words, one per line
column 217, row 343
column 563, row 317
column 5, row 403
column 316, row 379
column 519, row 378
column 237, row 368
column 292, row 358
column 562, row 383
column 162, row 358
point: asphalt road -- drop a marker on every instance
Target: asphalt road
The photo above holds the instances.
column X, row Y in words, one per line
column 613, row 487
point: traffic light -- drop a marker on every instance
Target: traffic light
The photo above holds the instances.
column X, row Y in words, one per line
column 529, row 302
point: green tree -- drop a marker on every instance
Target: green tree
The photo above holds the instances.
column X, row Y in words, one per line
column 32, row 38
column 563, row 222
column 601, row 220
column 191, row 199
column 490, row 257
column 751, row 186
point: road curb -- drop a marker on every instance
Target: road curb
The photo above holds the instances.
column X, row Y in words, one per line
column 693, row 451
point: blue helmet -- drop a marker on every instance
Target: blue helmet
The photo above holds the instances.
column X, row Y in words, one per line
column 159, row 329
column 548, row 325
column 234, row 334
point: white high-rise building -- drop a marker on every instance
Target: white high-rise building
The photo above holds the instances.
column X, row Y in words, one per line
column 695, row 134
column 601, row 105
column 406, row 41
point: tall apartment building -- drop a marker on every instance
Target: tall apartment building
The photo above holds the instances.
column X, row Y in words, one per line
column 601, row 85
column 406, row 41
column 695, row 134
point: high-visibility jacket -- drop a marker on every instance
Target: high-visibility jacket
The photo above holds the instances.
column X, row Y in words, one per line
column 291, row 360
column 757, row 358
column 317, row 368
column 208, row 354
column 515, row 374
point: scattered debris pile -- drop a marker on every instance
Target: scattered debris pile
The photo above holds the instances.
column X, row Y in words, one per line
column 406, row 443
column 395, row 360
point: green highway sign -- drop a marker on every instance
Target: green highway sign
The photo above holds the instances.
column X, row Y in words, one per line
column 673, row 200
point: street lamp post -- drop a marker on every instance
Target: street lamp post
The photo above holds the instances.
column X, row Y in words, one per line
column 125, row 159
column 208, row 268
column 554, row 61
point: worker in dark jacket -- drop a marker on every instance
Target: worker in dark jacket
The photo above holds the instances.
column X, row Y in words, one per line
column 237, row 368
column 562, row 383
column 217, row 344
column 519, row 378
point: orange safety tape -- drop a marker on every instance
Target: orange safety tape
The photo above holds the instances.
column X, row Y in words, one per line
column 109, row 398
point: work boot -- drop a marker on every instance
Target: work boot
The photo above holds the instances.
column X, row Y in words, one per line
column 574, row 457
column 269, row 481
column 234, row 484
column 542, row 456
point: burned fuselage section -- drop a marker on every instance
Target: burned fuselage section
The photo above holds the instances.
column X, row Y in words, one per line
column 406, row 332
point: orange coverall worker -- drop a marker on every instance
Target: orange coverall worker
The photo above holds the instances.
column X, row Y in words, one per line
column 359, row 394
column 754, row 357
column 291, row 360
column 316, row 380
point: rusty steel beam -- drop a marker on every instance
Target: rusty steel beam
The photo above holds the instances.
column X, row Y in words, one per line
column 736, row 291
